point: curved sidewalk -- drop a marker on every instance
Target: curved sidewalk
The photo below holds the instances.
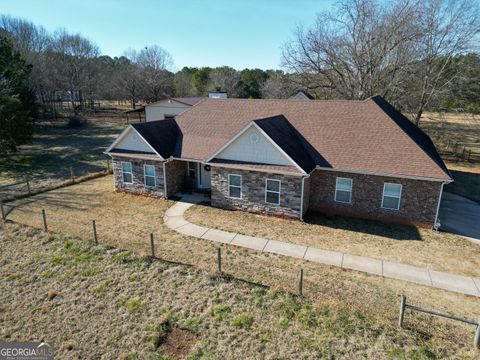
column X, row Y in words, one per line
column 175, row 220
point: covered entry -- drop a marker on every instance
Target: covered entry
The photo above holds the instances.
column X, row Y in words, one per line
column 200, row 174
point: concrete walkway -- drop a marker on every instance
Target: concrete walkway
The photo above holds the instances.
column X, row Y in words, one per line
column 174, row 219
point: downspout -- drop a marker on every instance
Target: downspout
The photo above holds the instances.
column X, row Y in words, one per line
column 437, row 224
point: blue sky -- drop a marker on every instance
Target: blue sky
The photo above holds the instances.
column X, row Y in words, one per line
column 238, row 33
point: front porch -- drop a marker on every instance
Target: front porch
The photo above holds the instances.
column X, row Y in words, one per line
column 186, row 177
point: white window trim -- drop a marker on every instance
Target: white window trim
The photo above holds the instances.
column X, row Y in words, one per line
column 271, row 191
column 351, row 189
column 127, row 172
column 154, row 176
column 241, row 187
column 399, row 196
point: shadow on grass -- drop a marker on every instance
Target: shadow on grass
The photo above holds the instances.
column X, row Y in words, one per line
column 466, row 184
column 371, row 227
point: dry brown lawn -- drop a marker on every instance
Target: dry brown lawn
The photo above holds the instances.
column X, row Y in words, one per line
column 351, row 300
column 98, row 302
column 452, row 132
column 419, row 247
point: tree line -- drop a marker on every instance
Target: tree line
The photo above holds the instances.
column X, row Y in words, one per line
column 412, row 52
column 418, row 54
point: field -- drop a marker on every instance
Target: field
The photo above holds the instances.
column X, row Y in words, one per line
column 456, row 136
column 55, row 149
column 345, row 313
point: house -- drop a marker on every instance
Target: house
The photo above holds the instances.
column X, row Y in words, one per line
column 171, row 107
column 286, row 157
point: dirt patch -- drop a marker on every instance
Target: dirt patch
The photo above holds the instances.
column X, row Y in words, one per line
column 177, row 343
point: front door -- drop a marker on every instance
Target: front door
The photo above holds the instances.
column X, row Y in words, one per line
column 203, row 176
column 199, row 175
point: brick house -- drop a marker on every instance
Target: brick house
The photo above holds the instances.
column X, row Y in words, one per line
column 286, row 157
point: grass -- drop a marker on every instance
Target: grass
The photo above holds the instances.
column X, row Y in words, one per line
column 452, row 132
column 242, row 321
column 399, row 243
column 159, row 319
column 56, row 148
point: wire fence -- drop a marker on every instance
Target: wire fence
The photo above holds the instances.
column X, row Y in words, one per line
column 29, row 185
column 261, row 269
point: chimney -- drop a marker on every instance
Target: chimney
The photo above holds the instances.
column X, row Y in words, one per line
column 217, row 95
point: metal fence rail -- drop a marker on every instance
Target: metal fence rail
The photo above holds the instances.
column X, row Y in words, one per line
column 404, row 306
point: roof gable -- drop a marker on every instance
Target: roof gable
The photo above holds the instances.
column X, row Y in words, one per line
column 131, row 141
column 252, row 145
column 164, row 136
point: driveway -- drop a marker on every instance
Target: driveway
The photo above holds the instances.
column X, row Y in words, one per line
column 460, row 215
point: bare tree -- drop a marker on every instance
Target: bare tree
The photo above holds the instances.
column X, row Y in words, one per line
column 360, row 50
column 226, row 79
column 128, row 75
column 446, row 28
column 278, row 86
column 74, row 69
column 156, row 78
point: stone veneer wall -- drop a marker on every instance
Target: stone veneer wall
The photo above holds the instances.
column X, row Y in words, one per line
column 138, row 186
column 306, row 195
column 253, row 192
column 176, row 172
column 418, row 203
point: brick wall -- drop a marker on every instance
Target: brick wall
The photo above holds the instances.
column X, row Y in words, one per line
column 176, row 172
column 253, row 192
column 418, row 204
column 138, row 186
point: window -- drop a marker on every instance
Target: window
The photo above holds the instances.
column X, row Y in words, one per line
column 127, row 172
column 272, row 191
column 149, row 175
column 391, row 196
column 343, row 190
column 235, row 186
column 192, row 170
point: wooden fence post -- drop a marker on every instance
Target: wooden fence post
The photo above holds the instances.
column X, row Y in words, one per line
column 44, row 216
column 403, row 301
column 219, row 260
column 4, row 217
column 476, row 341
column 152, row 245
column 300, row 283
column 72, row 175
column 28, row 185
column 95, row 232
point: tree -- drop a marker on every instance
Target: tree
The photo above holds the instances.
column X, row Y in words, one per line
column 226, row 79
column 128, row 76
column 360, row 50
column 446, row 28
column 278, row 85
column 182, row 82
column 251, row 82
column 156, row 79
column 201, row 80
column 16, row 99
column 74, row 71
